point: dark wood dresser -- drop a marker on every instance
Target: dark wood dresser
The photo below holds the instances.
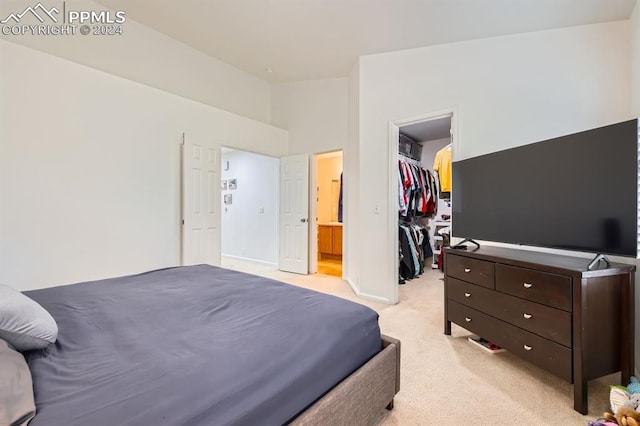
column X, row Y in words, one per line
column 548, row 309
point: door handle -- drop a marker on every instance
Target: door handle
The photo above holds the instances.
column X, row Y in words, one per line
column 303, row 220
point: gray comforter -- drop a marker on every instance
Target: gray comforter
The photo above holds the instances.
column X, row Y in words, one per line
column 195, row 345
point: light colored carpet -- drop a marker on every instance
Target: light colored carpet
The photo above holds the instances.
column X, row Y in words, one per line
column 445, row 379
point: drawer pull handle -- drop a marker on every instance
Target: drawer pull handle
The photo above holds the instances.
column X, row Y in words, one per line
column 527, row 316
column 527, row 347
column 467, row 295
column 467, row 270
column 467, row 319
column 528, row 285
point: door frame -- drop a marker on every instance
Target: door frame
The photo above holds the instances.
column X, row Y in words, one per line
column 226, row 146
column 394, row 134
column 313, row 212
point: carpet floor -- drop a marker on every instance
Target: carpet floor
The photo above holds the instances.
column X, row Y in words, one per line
column 445, row 380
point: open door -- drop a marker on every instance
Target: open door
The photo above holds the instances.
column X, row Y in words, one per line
column 200, row 203
column 294, row 214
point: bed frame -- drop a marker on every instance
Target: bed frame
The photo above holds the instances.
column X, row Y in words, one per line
column 359, row 399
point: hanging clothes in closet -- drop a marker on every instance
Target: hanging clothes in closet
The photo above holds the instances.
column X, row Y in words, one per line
column 417, row 197
column 414, row 249
column 417, row 193
column 442, row 165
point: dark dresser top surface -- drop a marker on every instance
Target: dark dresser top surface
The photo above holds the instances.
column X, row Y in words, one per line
column 545, row 261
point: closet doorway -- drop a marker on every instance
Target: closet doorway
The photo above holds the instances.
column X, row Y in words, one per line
column 327, row 249
column 249, row 210
column 423, row 154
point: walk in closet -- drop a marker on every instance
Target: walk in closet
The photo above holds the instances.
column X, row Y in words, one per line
column 424, row 196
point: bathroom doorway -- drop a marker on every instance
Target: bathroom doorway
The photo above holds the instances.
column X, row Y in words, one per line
column 328, row 167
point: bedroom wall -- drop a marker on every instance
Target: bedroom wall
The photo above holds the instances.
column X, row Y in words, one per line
column 250, row 223
column 152, row 58
column 89, row 169
column 634, row 24
column 508, row 91
column 314, row 112
column 351, row 184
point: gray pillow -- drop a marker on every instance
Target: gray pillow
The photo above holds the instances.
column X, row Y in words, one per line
column 17, row 404
column 23, row 322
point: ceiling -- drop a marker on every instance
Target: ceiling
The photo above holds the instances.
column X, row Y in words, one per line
column 428, row 130
column 314, row 39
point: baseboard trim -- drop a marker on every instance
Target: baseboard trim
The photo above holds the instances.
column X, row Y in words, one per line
column 352, row 285
column 365, row 295
column 230, row 256
column 376, row 299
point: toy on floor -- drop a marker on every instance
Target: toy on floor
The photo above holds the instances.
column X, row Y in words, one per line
column 634, row 386
column 624, row 417
column 628, row 397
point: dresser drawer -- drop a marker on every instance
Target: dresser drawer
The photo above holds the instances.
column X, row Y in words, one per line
column 471, row 270
column 553, row 324
column 548, row 355
column 542, row 287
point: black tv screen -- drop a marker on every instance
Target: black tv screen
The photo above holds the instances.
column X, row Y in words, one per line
column 575, row 192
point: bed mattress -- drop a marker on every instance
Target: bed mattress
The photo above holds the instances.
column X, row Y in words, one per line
column 196, row 345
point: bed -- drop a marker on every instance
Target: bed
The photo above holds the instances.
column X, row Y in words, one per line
column 202, row 345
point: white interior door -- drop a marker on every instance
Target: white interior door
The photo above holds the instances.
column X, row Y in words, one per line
column 200, row 203
column 294, row 214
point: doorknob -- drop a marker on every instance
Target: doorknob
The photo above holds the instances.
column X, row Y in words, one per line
column 303, row 220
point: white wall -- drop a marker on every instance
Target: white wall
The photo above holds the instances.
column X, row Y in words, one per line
column 507, row 90
column 89, row 169
column 250, row 223
column 314, row 112
column 152, row 58
column 351, row 185
column 430, row 149
column 634, row 24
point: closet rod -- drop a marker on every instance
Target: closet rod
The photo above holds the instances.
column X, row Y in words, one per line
column 408, row 159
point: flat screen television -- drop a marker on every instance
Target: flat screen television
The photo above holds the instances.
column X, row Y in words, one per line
column 575, row 192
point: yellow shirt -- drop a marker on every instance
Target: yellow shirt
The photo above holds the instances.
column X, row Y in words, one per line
column 442, row 165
